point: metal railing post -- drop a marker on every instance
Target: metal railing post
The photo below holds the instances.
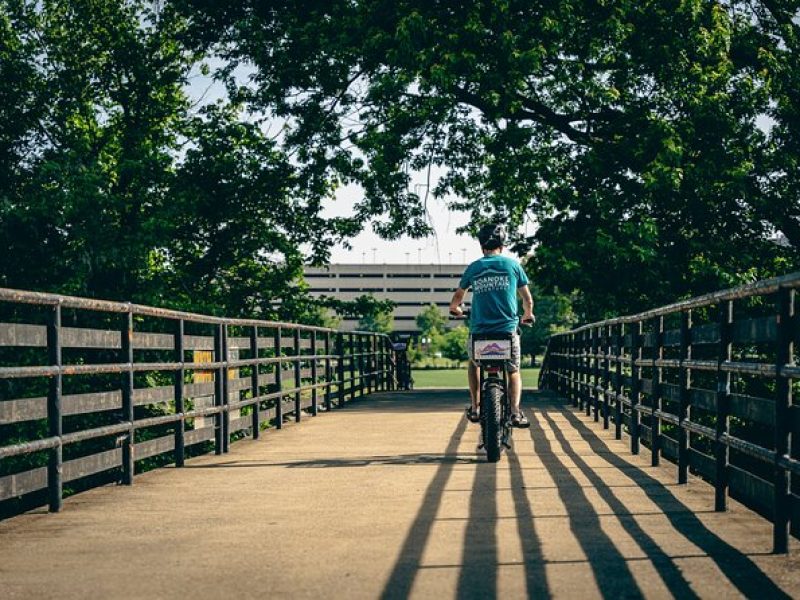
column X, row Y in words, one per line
column 328, row 371
column 128, row 458
column 55, row 465
column 596, row 373
column 392, row 355
column 657, row 391
column 380, row 348
column 387, row 363
column 278, row 340
column 587, row 369
column 580, row 370
column 314, row 373
column 219, row 392
column 298, row 380
column 721, row 453
column 636, row 385
column 367, row 384
column 782, row 425
column 366, row 349
column 362, row 358
column 606, row 374
column 566, row 367
column 353, row 368
column 340, row 367
column 684, row 383
column 551, row 369
column 180, row 425
column 619, row 349
column 255, row 388
column 372, row 364
column 226, row 414
column 573, row 383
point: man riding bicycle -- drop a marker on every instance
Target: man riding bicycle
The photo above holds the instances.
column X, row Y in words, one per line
column 495, row 281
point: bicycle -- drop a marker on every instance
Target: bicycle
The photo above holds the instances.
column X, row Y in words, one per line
column 491, row 353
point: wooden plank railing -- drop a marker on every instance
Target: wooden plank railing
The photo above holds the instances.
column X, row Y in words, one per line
column 89, row 386
column 706, row 383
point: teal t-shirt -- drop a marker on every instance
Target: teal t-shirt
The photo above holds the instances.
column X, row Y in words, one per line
column 494, row 281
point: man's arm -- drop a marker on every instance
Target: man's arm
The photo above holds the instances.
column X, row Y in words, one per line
column 455, row 302
column 527, row 303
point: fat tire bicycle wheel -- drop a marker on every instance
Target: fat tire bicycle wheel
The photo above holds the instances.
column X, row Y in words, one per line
column 492, row 420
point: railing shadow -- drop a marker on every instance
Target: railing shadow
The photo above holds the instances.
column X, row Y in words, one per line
column 669, row 572
column 611, row 571
column 478, row 575
column 408, row 562
column 745, row 575
column 535, row 573
column 333, row 463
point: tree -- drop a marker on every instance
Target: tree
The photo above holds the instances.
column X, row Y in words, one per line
column 636, row 151
column 379, row 323
column 112, row 185
column 431, row 321
column 86, row 170
column 454, row 345
column 554, row 314
column 372, row 314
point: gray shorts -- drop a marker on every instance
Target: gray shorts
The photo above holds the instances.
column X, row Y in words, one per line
column 513, row 363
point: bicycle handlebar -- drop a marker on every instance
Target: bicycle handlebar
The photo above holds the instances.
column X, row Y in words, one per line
column 466, row 313
column 462, row 317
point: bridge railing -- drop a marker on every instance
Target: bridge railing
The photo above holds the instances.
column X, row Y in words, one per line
column 94, row 391
column 706, row 383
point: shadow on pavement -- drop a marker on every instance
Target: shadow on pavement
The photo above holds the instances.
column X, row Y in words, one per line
column 360, row 461
column 745, row 575
column 669, row 572
column 535, row 573
column 478, row 575
column 611, row 571
column 408, row 563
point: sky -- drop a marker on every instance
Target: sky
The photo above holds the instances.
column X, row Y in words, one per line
column 445, row 246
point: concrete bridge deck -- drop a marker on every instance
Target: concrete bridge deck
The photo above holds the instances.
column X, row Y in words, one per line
column 388, row 499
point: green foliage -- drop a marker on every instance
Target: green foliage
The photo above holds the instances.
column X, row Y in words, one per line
column 113, row 185
column 414, row 352
column 431, row 322
column 638, row 152
column 554, row 314
column 655, row 165
column 454, row 345
column 372, row 314
column 379, row 322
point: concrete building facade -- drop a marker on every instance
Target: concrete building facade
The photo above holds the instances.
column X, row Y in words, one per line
column 412, row 287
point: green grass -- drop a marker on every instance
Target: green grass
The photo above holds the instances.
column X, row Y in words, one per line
column 457, row 378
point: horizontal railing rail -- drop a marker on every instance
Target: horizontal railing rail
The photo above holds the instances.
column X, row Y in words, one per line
column 91, row 387
column 705, row 382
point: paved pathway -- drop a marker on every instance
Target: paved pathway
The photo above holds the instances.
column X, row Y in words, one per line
column 387, row 499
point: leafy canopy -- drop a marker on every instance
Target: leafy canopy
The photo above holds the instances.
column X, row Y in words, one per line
column 639, row 153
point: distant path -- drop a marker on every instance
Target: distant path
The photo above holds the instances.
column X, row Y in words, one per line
column 386, row 498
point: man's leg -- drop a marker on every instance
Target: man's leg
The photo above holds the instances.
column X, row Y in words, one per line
column 515, row 385
column 515, row 390
column 472, row 376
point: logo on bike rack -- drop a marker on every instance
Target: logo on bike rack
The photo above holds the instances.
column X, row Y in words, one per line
column 492, row 349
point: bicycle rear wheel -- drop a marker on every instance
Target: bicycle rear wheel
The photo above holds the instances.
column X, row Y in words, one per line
column 492, row 420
